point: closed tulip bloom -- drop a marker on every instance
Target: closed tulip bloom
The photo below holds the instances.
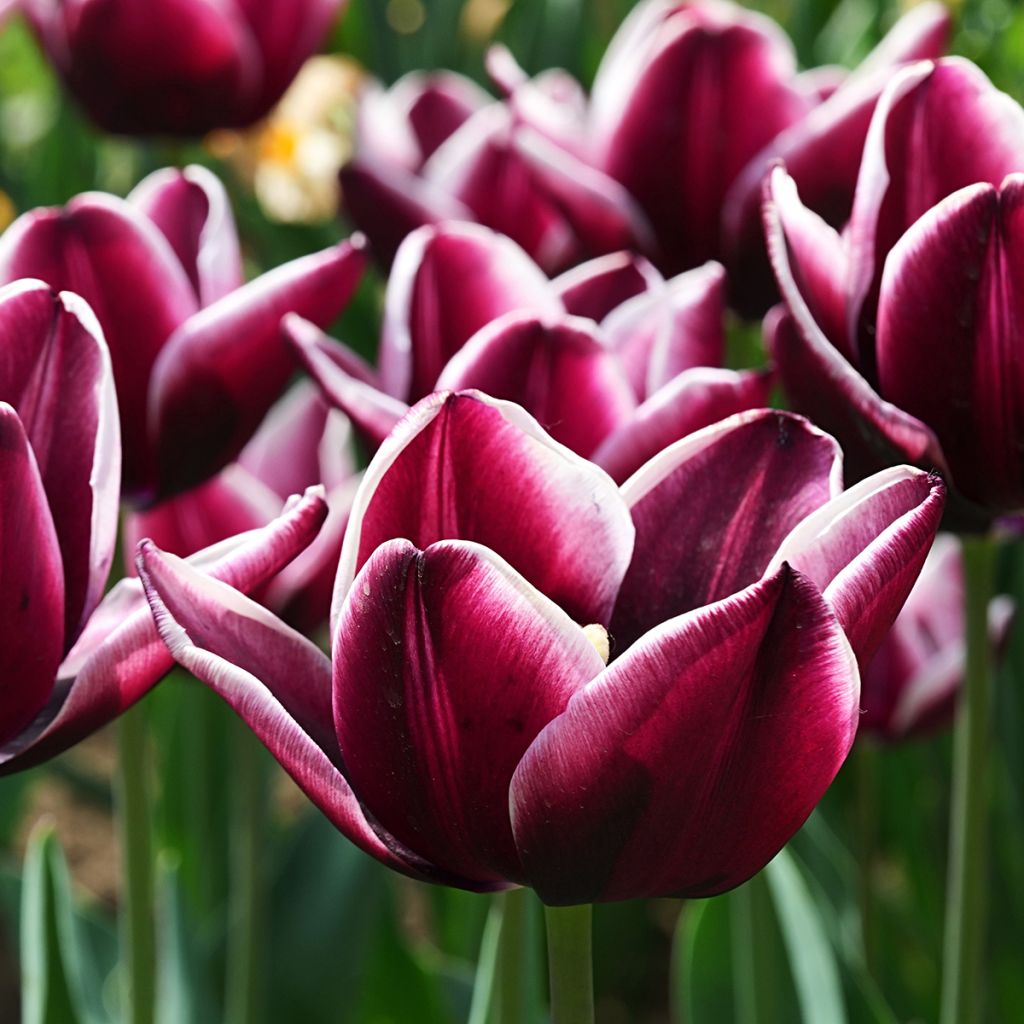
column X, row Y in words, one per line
column 467, row 308
column 901, row 335
column 469, row 730
column 197, row 355
column 179, row 67
column 912, row 684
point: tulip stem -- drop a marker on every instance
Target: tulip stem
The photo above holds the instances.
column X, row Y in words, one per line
column 245, row 923
column 511, row 962
column 867, row 815
column 137, row 922
column 570, row 964
column 968, row 851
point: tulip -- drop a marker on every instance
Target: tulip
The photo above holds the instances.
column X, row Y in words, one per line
column 301, row 443
column 466, row 308
column 912, row 684
column 487, row 574
column 433, row 150
column 197, row 355
column 899, row 336
column 179, row 67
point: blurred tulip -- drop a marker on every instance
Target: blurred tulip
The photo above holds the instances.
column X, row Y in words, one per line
column 197, row 355
column 900, row 336
column 485, row 741
column 179, row 67
column 467, row 308
column 119, row 657
column 60, row 461
column 912, row 684
column 434, row 148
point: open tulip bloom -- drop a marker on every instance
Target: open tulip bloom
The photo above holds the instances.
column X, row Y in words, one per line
column 469, row 730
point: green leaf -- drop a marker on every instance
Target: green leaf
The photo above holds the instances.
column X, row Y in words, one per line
column 811, row 956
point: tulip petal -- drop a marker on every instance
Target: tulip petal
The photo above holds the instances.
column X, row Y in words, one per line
column 224, row 368
column 31, row 582
column 593, row 289
column 687, row 764
column 711, row 511
column 55, row 370
column 448, row 282
column 120, row 657
column 106, row 251
column 865, row 548
column 346, row 384
column 275, row 679
column 435, row 104
column 921, row 147
column 468, row 467
column 950, row 321
column 693, row 400
column 447, row 664
column 192, row 210
column 559, row 371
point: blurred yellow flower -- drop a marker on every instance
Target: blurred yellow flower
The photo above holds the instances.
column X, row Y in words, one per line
column 7, row 210
column 480, row 18
column 291, row 160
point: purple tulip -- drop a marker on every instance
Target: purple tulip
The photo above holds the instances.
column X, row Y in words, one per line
column 179, row 67
column 198, row 358
column 912, row 684
column 61, row 468
column 522, row 166
column 900, row 335
column 467, row 308
column 486, row 742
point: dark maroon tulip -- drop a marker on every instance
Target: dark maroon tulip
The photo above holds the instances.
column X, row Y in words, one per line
column 119, row 657
column 912, row 684
column 198, row 358
column 483, row 734
column 179, row 67
column 900, row 337
column 302, row 442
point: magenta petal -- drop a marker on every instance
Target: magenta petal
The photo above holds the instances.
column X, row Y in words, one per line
column 347, row 383
column 593, row 289
column 31, row 581
column 692, row 400
column 687, row 764
column 55, row 370
column 559, row 371
column 668, row 329
column 711, row 511
column 950, row 318
column 221, row 372
column 119, row 656
column 923, row 145
column 111, row 255
column 435, row 104
column 865, row 548
column 448, row 282
column 192, row 210
column 276, row 680
column 468, row 467
column 446, row 666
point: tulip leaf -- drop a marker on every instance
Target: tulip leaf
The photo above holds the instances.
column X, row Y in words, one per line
column 811, row 957
column 701, row 981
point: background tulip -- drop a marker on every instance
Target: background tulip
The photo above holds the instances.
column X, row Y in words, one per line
column 179, row 67
column 495, row 747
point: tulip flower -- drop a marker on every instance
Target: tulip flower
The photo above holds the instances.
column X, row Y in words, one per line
column 466, row 308
column 179, row 67
column 899, row 336
column 197, row 355
column 432, row 150
column 912, row 684
column 301, row 443
column 487, row 575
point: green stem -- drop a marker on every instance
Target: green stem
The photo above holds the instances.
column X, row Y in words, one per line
column 570, row 964
column 867, row 815
column 511, row 961
column 245, row 921
column 968, row 837
column 137, row 924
